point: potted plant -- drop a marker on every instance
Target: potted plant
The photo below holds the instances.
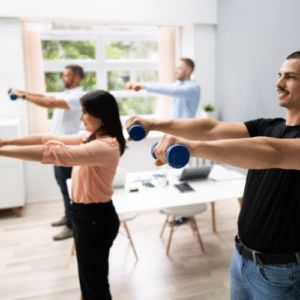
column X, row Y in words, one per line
column 207, row 110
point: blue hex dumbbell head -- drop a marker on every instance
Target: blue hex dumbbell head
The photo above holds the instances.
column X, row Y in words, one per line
column 177, row 156
column 136, row 132
column 152, row 148
column 13, row 97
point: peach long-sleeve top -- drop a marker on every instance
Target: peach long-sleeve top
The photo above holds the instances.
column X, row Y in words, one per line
column 94, row 164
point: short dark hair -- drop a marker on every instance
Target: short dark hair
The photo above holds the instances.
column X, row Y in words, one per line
column 294, row 55
column 77, row 70
column 103, row 105
column 189, row 63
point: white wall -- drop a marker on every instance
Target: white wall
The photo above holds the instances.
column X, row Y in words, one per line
column 198, row 41
column 39, row 179
column 157, row 12
column 253, row 40
column 205, row 44
column 11, row 70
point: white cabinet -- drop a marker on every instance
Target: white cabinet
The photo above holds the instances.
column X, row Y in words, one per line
column 12, row 193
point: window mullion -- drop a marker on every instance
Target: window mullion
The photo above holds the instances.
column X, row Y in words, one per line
column 100, row 55
column 127, row 65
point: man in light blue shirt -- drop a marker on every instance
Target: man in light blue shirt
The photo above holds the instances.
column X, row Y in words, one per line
column 65, row 121
column 185, row 96
column 185, row 93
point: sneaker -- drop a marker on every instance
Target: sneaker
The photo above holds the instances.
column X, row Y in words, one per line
column 179, row 221
column 64, row 234
column 61, row 222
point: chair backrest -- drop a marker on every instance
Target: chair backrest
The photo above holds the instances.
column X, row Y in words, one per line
column 124, row 217
column 187, row 210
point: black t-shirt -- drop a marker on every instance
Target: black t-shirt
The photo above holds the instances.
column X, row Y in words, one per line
column 269, row 220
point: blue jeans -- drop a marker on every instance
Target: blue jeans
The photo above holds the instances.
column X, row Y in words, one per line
column 61, row 176
column 251, row 281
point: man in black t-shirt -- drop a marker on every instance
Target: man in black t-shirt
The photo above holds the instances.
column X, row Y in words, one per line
column 265, row 263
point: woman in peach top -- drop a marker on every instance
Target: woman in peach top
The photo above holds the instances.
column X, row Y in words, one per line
column 94, row 157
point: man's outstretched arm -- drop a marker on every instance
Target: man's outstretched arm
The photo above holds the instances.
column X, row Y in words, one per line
column 247, row 153
column 42, row 100
column 193, row 129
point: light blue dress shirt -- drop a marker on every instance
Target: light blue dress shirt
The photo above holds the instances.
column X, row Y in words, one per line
column 185, row 97
column 66, row 121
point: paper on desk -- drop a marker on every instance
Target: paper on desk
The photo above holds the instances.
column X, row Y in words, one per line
column 219, row 173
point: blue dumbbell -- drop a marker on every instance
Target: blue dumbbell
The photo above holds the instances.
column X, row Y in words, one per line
column 136, row 132
column 12, row 96
column 177, row 156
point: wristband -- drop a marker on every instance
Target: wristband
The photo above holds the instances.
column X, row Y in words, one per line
column 24, row 96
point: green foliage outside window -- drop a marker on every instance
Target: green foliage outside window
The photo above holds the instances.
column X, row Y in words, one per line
column 55, row 50
column 131, row 50
column 116, row 79
column 136, row 105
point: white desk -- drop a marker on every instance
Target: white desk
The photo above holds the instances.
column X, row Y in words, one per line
column 159, row 197
column 147, row 198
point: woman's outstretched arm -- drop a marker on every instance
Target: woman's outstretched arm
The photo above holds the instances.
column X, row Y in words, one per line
column 22, row 141
column 31, row 153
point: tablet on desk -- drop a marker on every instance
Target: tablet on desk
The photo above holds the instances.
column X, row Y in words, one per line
column 196, row 173
column 184, row 187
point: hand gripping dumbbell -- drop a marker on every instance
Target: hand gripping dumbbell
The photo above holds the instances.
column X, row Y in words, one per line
column 177, row 156
column 12, row 96
column 136, row 132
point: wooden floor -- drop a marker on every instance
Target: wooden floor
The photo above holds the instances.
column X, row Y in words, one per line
column 34, row 267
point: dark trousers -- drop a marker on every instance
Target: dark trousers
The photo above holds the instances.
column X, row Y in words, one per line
column 95, row 227
column 61, row 176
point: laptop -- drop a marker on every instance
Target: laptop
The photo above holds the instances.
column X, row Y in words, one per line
column 196, row 173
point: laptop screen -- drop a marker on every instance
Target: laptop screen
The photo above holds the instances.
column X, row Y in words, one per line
column 195, row 173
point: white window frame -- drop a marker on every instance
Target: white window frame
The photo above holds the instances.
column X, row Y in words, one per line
column 100, row 65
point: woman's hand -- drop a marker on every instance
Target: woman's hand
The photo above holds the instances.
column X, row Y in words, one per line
column 2, row 142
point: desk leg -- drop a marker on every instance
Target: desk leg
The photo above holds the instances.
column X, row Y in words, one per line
column 73, row 249
column 17, row 211
column 240, row 201
column 213, row 216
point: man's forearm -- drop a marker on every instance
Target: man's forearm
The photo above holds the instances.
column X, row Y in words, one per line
column 30, row 153
column 31, row 94
column 170, row 89
column 45, row 101
column 250, row 153
column 191, row 129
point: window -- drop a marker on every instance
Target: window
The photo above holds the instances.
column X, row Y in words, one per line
column 109, row 58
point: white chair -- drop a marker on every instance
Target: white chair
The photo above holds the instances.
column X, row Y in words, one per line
column 124, row 218
column 188, row 211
